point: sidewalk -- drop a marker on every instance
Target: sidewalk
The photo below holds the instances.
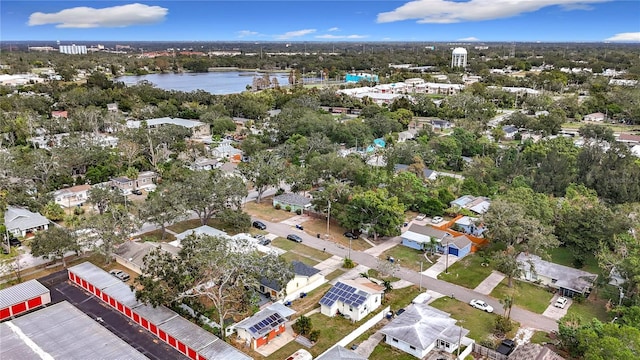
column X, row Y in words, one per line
column 440, row 266
column 487, row 285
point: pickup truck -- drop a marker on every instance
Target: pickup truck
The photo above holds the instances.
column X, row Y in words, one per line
column 506, row 347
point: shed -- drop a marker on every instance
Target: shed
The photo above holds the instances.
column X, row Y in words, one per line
column 23, row 297
column 294, row 201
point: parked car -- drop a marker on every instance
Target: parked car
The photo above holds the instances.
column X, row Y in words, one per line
column 437, row 219
column 421, row 217
column 259, row 225
column 400, row 311
column 136, row 192
column 506, row 347
column 14, row 242
column 561, row 302
column 479, row 304
column 120, row 274
column 294, row 237
column 351, row 235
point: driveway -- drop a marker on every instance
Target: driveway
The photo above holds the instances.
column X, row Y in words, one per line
column 554, row 312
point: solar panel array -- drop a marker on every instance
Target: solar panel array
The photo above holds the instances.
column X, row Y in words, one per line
column 268, row 323
column 344, row 293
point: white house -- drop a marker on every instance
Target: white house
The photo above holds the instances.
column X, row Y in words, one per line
column 305, row 279
column 72, row 196
column 568, row 281
column 422, row 329
column 264, row 325
column 20, row 221
column 226, row 150
column 199, row 129
column 354, row 299
column 599, row 117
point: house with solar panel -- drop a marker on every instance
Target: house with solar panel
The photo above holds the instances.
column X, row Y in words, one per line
column 354, row 299
column 264, row 325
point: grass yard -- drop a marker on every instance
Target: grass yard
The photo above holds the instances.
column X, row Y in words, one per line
column 291, row 256
column 192, row 224
column 310, row 302
column 265, row 210
column 528, row 296
column 407, row 257
column 590, row 309
column 540, row 337
column 288, row 245
column 467, row 272
column 615, row 127
column 319, row 226
column 479, row 323
column 400, row 298
column 373, row 273
column 563, row 256
column 156, row 236
column 334, row 274
column 386, row 352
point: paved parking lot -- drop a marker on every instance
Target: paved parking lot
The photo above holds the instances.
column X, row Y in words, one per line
column 139, row 338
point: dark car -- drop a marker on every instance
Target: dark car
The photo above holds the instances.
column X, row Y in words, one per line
column 351, row 235
column 399, row 312
column 294, row 237
column 14, row 242
column 264, row 242
column 136, row 192
column 259, row 225
column 506, row 347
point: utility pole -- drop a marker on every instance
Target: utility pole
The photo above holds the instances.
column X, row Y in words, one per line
column 420, row 275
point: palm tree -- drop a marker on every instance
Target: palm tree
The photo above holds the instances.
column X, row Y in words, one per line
column 507, row 304
column 388, row 286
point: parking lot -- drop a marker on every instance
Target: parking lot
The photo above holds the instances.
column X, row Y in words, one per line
column 139, row 338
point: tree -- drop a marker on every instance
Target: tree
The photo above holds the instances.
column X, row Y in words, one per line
column 511, row 227
column 54, row 243
column 595, row 340
column 208, row 193
column 213, row 271
column 53, row 211
column 303, row 325
column 102, row 197
column 264, row 170
column 380, row 213
column 163, row 206
column 112, row 227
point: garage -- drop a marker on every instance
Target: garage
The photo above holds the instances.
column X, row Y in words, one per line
column 23, row 297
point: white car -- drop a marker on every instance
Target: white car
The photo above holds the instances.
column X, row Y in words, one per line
column 437, row 219
column 120, row 274
column 561, row 302
column 479, row 304
column 421, row 217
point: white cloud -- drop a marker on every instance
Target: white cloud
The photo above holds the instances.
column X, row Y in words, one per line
column 447, row 11
column 334, row 29
column 87, row 17
column 625, row 37
column 243, row 33
column 297, row 33
column 331, row 36
column 470, row 38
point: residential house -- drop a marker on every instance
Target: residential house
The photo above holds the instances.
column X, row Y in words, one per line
column 340, row 353
column 72, row 196
column 629, row 139
column 59, row 114
column 510, row 131
column 635, row 150
column 112, row 107
column 427, row 174
column 204, row 164
column 146, row 180
column 568, row 281
column 264, row 325
column 293, row 201
column 531, row 351
column 469, row 225
column 478, row 205
column 131, row 253
column 225, row 150
column 405, row 135
column 22, row 222
column 438, row 124
column 199, row 129
column 354, row 299
column 599, row 117
column 423, row 238
column 422, row 329
column 305, row 279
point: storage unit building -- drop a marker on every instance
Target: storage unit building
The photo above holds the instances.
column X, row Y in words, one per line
column 183, row 335
column 23, row 297
column 61, row 331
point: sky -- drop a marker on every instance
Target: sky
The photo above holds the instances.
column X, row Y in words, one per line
column 322, row 21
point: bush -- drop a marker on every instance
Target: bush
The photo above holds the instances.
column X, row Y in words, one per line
column 348, row 264
column 278, row 206
column 280, row 191
column 579, row 298
column 502, row 326
column 236, row 220
column 288, row 208
column 314, row 335
column 303, row 325
column 78, row 210
column 298, row 211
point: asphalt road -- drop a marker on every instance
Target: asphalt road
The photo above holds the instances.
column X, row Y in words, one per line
column 524, row 317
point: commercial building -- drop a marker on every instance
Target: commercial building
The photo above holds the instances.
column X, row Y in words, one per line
column 73, row 49
column 23, row 297
column 183, row 335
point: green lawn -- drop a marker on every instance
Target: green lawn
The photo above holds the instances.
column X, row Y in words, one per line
column 526, row 295
column 467, row 272
column 563, row 256
column 334, row 274
column 156, row 236
column 615, row 127
column 479, row 323
column 590, row 309
column 540, row 337
column 291, row 256
column 265, row 210
column 386, row 352
column 407, row 257
column 300, row 249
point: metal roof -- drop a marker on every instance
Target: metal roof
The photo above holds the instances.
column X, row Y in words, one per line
column 262, row 323
column 94, row 275
column 21, row 292
column 61, row 331
column 122, row 292
column 340, row 353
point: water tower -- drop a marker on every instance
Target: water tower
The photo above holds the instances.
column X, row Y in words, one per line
column 459, row 57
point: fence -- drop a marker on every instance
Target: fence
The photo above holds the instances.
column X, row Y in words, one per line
column 488, row 353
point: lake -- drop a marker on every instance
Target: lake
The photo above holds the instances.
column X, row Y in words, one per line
column 218, row 83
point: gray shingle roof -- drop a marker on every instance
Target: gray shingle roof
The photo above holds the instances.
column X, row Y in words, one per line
column 300, row 268
column 567, row 277
column 340, row 353
column 23, row 219
column 292, row 199
column 421, row 325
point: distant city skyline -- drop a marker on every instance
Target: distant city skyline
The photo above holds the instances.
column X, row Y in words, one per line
column 323, row 21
